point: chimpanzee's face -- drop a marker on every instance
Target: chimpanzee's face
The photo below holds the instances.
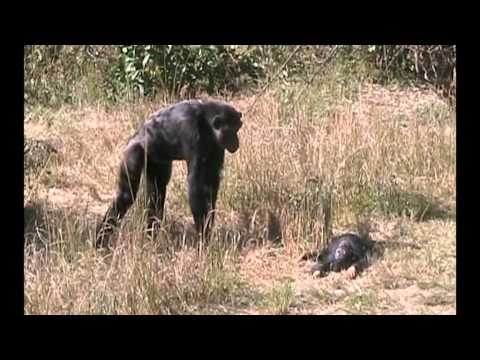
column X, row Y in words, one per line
column 225, row 127
column 340, row 252
column 342, row 256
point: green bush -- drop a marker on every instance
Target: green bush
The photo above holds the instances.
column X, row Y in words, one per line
column 61, row 74
column 433, row 65
column 183, row 70
column 58, row 74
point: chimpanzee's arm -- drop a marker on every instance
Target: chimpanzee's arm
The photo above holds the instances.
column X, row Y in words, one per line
column 320, row 269
column 361, row 264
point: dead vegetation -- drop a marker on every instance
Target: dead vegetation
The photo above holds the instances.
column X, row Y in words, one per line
column 387, row 155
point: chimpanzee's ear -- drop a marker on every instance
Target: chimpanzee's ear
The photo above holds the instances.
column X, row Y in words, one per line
column 239, row 114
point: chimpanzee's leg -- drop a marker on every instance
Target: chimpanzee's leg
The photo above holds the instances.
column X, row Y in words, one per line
column 158, row 176
column 214, row 184
column 129, row 179
column 202, row 194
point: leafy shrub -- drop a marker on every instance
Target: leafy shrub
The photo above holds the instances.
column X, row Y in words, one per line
column 184, row 69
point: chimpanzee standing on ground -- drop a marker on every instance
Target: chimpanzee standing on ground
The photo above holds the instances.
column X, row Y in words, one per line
column 195, row 131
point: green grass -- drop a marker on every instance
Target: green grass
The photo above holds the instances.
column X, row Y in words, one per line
column 280, row 298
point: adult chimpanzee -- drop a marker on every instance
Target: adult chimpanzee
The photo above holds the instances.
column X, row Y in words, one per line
column 346, row 251
column 195, row 131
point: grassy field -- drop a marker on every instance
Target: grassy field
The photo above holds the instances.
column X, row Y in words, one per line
column 382, row 158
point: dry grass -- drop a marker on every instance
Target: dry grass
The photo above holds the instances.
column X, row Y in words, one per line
column 387, row 155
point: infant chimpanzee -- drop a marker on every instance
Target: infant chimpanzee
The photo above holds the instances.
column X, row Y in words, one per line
column 344, row 252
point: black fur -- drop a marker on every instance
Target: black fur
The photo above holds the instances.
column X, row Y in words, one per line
column 343, row 251
column 195, row 131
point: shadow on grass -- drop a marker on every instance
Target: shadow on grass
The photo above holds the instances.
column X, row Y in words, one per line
column 391, row 201
column 45, row 226
column 247, row 230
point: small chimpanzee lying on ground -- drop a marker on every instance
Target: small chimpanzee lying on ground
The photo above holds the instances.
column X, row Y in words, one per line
column 344, row 252
column 195, row 131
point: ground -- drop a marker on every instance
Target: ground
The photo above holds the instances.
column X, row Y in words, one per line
column 412, row 268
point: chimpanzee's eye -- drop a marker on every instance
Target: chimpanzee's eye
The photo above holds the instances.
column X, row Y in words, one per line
column 217, row 123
